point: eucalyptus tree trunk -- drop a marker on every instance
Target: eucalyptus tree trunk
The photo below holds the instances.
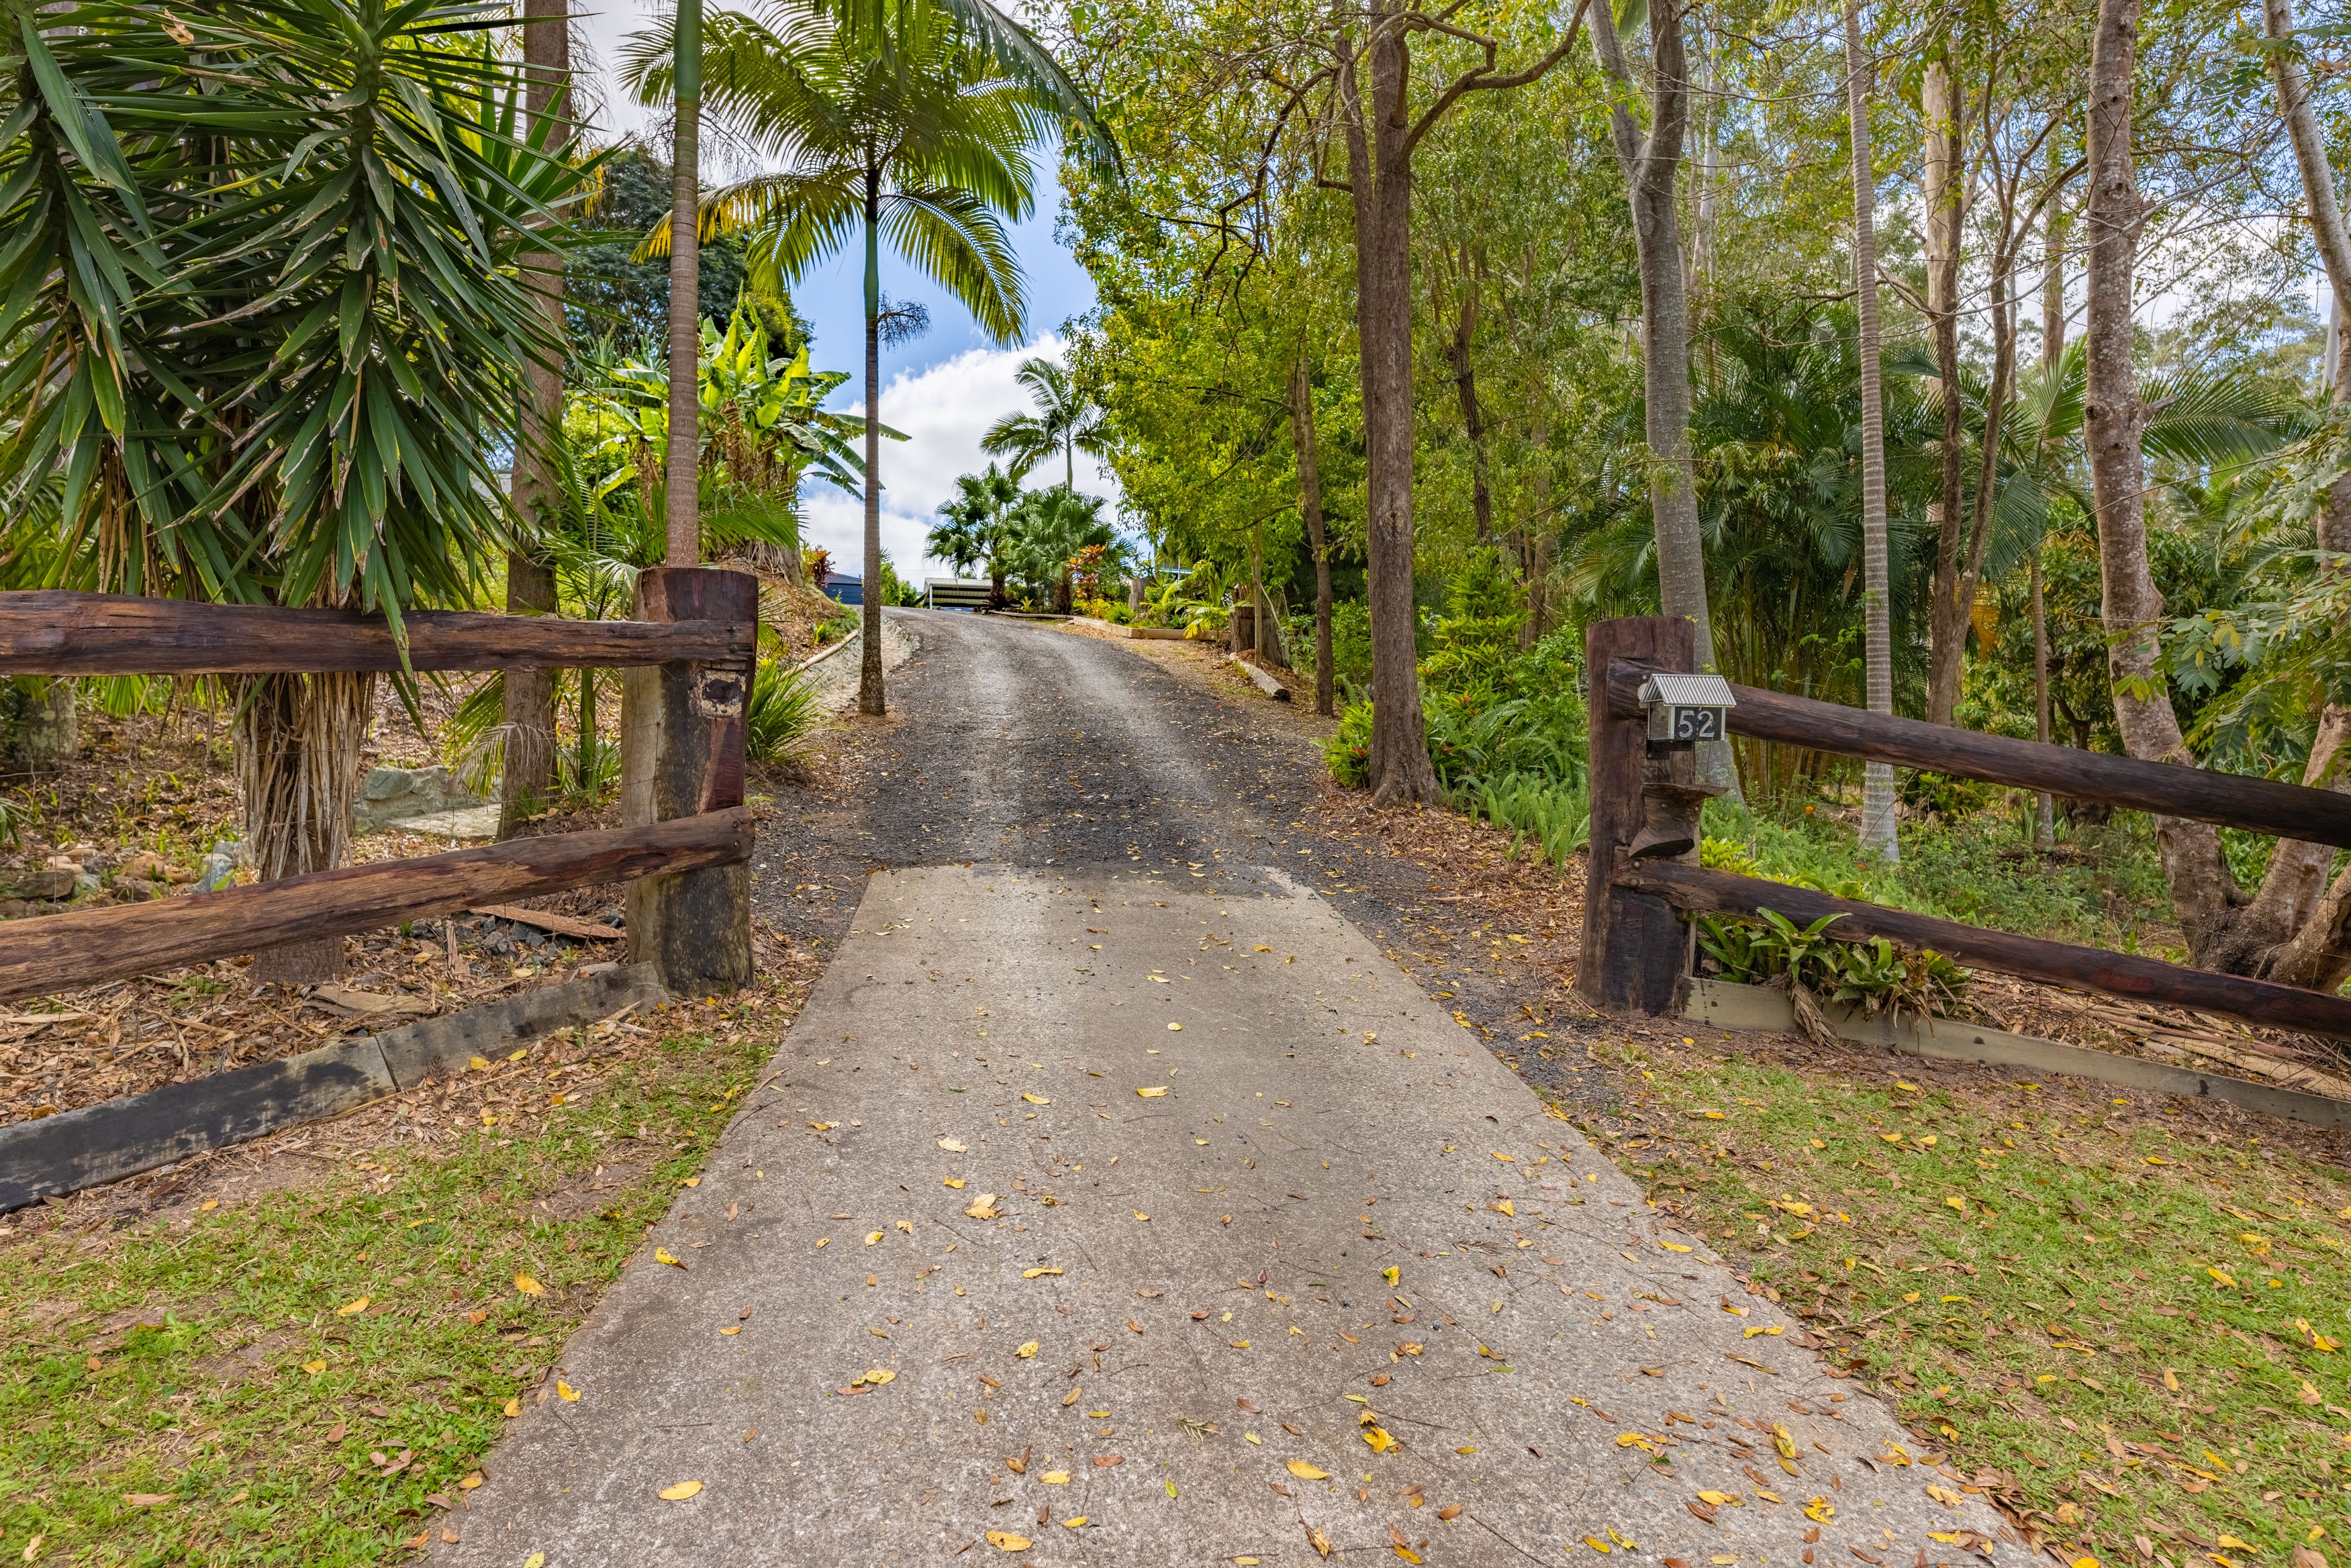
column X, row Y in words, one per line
column 1380, row 172
column 684, row 465
column 1650, row 165
column 2003, row 380
column 1878, row 835
column 869, row 655
column 2203, row 892
column 1310, row 504
column 526, row 770
column 1473, row 417
column 2296, row 926
column 1942, row 181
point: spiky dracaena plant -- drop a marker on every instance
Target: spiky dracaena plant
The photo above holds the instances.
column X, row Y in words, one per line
column 262, row 330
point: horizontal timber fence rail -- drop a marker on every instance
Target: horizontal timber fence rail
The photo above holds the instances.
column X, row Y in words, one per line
column 686, row 838
column 1646, row 795
column 60, row 633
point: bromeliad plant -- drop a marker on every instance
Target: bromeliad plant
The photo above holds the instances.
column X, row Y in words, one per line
column 1871, row 976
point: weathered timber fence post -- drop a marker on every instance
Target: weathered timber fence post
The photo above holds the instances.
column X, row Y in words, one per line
column 1636, row 946
column 681, row 754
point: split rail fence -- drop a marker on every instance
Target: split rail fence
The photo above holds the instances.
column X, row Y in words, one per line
column 1644, row 880
column 688, row 659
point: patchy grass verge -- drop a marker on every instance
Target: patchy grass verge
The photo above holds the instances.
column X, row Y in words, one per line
column 2124, row 1319
column 299, row 1354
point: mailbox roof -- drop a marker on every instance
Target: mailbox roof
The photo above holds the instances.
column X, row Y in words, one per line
column 1687, row 691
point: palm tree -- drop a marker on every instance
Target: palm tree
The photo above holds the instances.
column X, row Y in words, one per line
column 1051, row 527
column 973, row 527
column 912, row 122
column 1067, row 421
column 215, row 390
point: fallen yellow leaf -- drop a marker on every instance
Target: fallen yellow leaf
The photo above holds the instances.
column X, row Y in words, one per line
column 529, row 1286
column 1304, row 1471
column 663, row 1255
column 954, row 1145
column 1140, row 1215
column 1055, row 1477
column 514, row 1408
column 1035, row 1099
column 681, row 1491
column 1036, row 1273
column 348, row 1308
column 1153, row 1094
column 1673, row 1246
column 1027, row 1352
column 1721, row 1499
column 1175, row 1026
column 1502, row 1205
column 982, row 1207
column 314, row 1367
column 1378, row 1437
column 1079, row 1523
column 535, row 1560
column 871, row 1237
column 565, row 1392
column 478, row 1063
column 875, row 1378
column 690, row 1181
column 954, row 1182
column 1004, row 1541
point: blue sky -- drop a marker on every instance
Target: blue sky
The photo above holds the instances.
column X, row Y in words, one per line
column 944, row 390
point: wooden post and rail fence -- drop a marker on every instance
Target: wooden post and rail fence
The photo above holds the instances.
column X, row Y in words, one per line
column 1644, row 880
column 689, row 658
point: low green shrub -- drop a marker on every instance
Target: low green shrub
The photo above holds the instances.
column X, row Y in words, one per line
column 1349, row 750
column 1556, row 818
column 780, row 714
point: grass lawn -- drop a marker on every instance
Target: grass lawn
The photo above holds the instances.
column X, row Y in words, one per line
column 311, row 1374
column 2123, row 1318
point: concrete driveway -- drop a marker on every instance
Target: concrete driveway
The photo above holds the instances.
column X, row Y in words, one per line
column 1108, row 1215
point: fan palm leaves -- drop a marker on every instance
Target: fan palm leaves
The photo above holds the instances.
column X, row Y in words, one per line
column 1066, row 422
column 974, row 527
column 2198, row 421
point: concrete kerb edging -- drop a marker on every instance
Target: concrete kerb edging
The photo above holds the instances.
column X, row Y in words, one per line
column 1726, row 1005
column 116, row 1138
column 1135, row 633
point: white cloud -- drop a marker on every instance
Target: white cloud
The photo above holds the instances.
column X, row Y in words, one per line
column 944, row 409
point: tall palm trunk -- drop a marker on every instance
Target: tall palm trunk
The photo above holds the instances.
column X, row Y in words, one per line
column 2053, row 353
column 1309, row 503
column 869, row 665
column 1878, row 835
column 526, row 769
column 683, row 510
column 1942, row 181
column 2202, row 890
column 1650, row 166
